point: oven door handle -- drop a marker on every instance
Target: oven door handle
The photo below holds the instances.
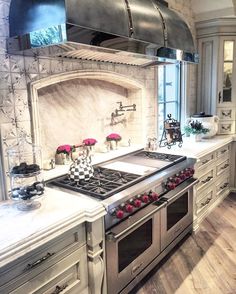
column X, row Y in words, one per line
column 110, row 236
column 188, row 184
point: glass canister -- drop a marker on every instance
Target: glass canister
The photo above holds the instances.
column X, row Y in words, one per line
column 26, row 178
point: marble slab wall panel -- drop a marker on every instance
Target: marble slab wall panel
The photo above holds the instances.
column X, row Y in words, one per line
column 73, row 110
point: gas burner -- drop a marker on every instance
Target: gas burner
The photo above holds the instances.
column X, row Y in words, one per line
column 103, row 184
column 160, row 156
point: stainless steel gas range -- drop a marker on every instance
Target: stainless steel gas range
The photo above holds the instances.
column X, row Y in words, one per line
column 149, row 201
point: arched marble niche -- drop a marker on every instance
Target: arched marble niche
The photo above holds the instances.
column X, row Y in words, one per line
column 69, row 107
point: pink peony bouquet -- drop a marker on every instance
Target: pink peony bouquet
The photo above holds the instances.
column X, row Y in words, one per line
column 66, row 149
column 113, row 137
column 89, row 142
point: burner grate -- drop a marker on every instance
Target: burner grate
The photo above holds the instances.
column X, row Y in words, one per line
column 103, row 184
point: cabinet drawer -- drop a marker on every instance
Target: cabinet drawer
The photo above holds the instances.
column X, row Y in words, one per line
column 222, row 186
column 204, row 162
column 68, row 276
column 222, row 167
column 224, row 151
column 205, row 201
column 226, row 113
column 38, row 260
column 226, row 127
column 206, row 179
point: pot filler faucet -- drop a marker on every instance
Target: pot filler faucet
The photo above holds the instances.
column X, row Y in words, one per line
column 120, row 111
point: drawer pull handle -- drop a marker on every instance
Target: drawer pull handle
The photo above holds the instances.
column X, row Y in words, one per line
column 226, row 128
column 224, row 166
column 223, row 151
column 206, row 202
column 205, row 161
column 226, row 114
column 206, row 180
column 32, row 265
column 224, row 186
column 59, row 289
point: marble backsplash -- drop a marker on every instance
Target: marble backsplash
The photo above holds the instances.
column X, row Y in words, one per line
column 73, row 110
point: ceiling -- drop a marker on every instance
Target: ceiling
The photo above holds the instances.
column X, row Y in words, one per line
column 210, row 9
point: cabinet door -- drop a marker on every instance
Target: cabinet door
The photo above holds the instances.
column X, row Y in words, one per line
column 208, row 49
column 227, row 71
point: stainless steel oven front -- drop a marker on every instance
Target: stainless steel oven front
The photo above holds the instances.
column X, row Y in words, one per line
column 177, row 214
column 131, row 246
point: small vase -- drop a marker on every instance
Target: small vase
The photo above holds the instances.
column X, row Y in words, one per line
column 113, row 145
column 63, row 159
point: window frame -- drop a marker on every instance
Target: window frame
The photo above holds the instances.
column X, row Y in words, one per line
column 181, row 101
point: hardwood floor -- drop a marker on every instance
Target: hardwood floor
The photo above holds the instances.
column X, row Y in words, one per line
column 204, row 263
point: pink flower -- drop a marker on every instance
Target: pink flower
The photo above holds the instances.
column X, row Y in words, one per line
column 64, row 149
column 113, row 137
column 89, row 142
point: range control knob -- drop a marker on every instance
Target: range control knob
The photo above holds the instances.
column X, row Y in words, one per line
column 187, row 173
column 177, row 180
column 119, row 213
column 145, row 198
column 129, row 208
column 170, row 185
column 182, row 176
column 153, row 196
column 192, row 171
column 137, row 203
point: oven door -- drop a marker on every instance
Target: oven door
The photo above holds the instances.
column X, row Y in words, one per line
column 131, row 246
column 178, row 214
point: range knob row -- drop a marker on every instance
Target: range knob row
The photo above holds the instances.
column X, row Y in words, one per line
column 178, row 178
column 129, row 206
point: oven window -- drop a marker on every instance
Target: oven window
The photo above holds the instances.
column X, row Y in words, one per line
column 177, row 210
column 134, row 244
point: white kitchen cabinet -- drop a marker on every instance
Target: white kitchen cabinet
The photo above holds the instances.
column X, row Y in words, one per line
column 59, row 265
column 213, row 172
column 216, row 92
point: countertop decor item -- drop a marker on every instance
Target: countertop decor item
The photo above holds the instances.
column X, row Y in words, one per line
column 89, row 142
column 209, row 122
column 196, row 128
column 171, row 133
column 113, row 138
column 63, row 154
column 26, row 179
column 81, row 169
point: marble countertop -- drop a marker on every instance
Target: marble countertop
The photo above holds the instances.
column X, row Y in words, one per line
column 194, row 149
column 22, row 231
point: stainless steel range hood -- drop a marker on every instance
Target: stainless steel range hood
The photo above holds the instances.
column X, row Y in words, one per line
column 136, row 32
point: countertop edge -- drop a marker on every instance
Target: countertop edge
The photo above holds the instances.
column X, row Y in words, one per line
column 42, row 237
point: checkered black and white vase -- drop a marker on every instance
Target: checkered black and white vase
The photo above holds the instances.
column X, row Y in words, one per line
column 81, row 169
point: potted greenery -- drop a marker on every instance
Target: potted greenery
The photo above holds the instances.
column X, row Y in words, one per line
column 196, row 128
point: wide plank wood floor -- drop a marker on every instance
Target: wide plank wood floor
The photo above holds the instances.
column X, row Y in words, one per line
column 204, row 263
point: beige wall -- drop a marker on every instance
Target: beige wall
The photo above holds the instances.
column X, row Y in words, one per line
column 16, row 72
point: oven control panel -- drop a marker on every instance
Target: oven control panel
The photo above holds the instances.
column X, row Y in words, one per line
column 137, row 202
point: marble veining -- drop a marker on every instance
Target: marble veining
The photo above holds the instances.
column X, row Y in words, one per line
column 73, row 110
